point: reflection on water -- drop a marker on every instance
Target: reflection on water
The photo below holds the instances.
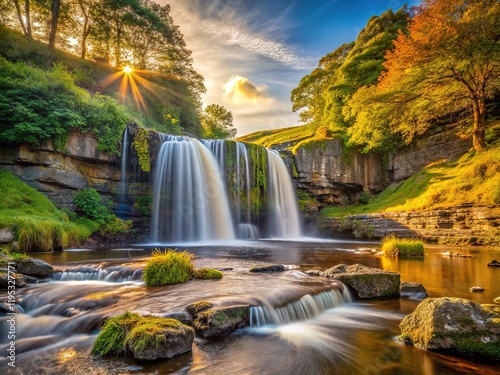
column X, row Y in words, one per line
column 57, row 331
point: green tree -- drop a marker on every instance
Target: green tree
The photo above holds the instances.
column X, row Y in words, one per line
column 217, row 122
column 449, row 61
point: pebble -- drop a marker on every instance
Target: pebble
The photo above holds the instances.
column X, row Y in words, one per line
column 476, row 289
column 497, row 300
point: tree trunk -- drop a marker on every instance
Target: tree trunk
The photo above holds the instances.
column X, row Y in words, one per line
column 84, row 39
column 478, row 130
column 55, row 8
column 20, row 16
column 28, row 17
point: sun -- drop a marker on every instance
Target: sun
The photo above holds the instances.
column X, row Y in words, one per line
column 127, row 69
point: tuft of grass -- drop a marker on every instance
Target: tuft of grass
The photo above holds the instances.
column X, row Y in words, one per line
column 35, row 220
column 394, row 247
column 112, row 338
column 168, row 267
column 208, row 273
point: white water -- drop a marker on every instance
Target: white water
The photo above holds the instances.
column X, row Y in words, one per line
column 123, row 170
column 283, row 219
column 189, row 199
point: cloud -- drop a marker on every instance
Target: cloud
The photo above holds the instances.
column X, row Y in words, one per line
column 240, row 90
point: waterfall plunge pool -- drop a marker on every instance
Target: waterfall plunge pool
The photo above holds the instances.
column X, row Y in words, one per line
column 61, row 318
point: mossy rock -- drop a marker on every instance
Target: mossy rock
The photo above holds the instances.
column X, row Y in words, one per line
column 207, row 273
column 145, row 338
column 268, row 268
column 222, row 321
column 366, row 282
column 195, row 308
column 454, row 324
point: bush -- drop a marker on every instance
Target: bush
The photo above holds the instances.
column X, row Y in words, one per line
column 89, row 202
column 114, row 225
column 208, row 273
column 168, row 267
column 394, row 247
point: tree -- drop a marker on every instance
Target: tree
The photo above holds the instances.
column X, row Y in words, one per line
column 449, row 61
column 217, row 122
column 54, row 20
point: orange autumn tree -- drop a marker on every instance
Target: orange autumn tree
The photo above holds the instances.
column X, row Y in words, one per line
column 448, row 61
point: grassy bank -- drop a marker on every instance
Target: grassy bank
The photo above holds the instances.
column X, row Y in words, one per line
column 36, row 222
column 473, row 179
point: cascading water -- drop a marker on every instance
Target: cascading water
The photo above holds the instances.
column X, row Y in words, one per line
column 283, row 209
column 123, row 171
column 189, row 199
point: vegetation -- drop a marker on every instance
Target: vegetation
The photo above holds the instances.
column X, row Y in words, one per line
column 394, row 247
column 217, row 122
column 268, row 138
column 130, row 329
column 141, row 146
column 208, row 273
column 36, row 222
column 168, row 267
column 474, row 178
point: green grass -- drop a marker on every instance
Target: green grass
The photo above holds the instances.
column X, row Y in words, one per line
column 37, row 223
column 394, row 247
column 473, row 179
column 208, row 273
column 111, row 340
column 168, row 267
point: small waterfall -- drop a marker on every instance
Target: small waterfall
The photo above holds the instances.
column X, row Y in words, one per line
column 283, row 209
column 123, row 172
column 115, row 274
column 189, row 199
column 307, row 307
column 246, row 229
column 217, row 147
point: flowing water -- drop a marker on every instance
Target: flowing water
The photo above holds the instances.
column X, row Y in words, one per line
column 300, row 324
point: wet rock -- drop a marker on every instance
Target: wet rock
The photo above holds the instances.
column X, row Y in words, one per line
column 7, row 308
column 182, row 316
column 6, row 235
column 476, row 289
column 493, row 263
column 174, row 341
column 222, row 321
column 412, row 290
column 195, row 308
column 454, row 324
column 497, row 300
column 314, row 273
column 270, row 268
column 34, row 267
column 19, row 281
column 366, row 282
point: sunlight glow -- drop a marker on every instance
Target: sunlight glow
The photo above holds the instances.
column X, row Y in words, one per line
column 127, row 69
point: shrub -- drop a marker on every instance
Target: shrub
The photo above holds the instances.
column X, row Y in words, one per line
column 114, row 225
column 168, row 267
column 208, row 273
column 89, row 202
column 394, row 247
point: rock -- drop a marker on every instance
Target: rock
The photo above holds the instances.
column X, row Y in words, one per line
column 34, row 267
column 14, row 246
column 6, row 235
column 366, row 282
column 314, row 273
column 497, row 300
column 454, row 324
column 182, row 316
column 6, row 308
column 20, row 281
column 222, row 321
column 493, row 263
column 195, row 308
column 174, row 341
column 412, row 290
column 270, row 268
column 476, row 289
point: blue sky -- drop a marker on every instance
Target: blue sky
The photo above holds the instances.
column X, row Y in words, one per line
column 252, row 53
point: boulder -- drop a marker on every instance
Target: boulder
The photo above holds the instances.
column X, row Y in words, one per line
column 168, row 343
column 269, row 268
column 34, row 267
column 6, row 235
column 366, row 282
column 497, row 300
column 493, row 263
column 476, row 289
column 412, row 290
column 20, row 281
column 222, row 321
column 454, row 324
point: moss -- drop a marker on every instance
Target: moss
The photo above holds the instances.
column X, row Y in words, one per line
column 168, row 267
column 208, row 273
column 195, row 308
column 112, row 339
column 141, row 146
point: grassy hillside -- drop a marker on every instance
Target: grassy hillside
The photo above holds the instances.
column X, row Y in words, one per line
column 473, row 179
column 160, row 95
column 36, row 222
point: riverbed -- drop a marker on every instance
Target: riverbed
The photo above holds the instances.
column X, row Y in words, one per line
column 61, row 317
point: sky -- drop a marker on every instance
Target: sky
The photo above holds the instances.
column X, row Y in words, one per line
column 253, row 53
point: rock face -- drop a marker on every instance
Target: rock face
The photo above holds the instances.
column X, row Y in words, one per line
column 366, row 282
column 467, row 225
column 221, row 321
column 6, row 235
column 454, row 324
column 34, row 267
column 175, row 341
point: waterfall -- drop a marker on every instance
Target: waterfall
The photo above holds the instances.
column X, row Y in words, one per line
column 246, row 229
column 283, row 209
column 217, row 147
column 123, row 172
column 189, row 199
column 307, row 307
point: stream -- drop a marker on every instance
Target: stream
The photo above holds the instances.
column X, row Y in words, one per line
column 59, row 319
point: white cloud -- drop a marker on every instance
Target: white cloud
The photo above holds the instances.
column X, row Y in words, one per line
column 240, row 90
